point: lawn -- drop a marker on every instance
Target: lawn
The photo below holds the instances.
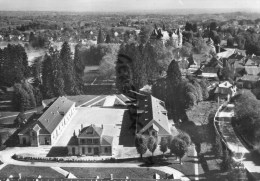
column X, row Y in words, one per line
column 34, row 172
column 201, row 131
column 138, row 173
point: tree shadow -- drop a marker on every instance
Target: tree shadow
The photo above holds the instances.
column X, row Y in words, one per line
column 58, row 151
column 127, row 134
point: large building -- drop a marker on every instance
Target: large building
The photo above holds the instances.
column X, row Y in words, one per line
column 153, row 119
column 92, row 140
column 48, row 128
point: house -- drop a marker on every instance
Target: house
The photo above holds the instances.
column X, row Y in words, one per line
column 48, row 128
column 208, row 72
column 225, row 90
column 92, row 140
column 153, row 119
column 248, row 81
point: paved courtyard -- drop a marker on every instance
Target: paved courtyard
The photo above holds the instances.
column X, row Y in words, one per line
column 86, row 116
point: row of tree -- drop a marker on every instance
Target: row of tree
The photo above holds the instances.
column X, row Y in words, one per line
column 177, row 145
column 61, row 74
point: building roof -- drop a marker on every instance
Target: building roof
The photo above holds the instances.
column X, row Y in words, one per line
column 253, row 78
column 107, row 140
column 154, row 114
column 91, row 131
column 54, row 114
column 252, row 70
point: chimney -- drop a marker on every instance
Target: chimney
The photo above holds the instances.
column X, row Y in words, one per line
column 81, row 127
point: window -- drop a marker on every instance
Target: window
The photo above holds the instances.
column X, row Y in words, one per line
column 33, row 134
column 106, row 150
column 96, row 141
column 153, row 133
column 83, row 150
column 89, row 141
column 89, row 150
column 82, row 141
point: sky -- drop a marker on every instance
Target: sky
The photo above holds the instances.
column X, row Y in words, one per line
column 125, row 5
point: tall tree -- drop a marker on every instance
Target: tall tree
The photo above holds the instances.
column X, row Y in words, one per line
column 100, row 38
column 164, row 145
column 108, row 39
column 152, row 144
column 67, row 69
column 141, row 144
column 47, row 77
column 178, row 147
column 79, row 67
column 58, row 77
column 173, row 81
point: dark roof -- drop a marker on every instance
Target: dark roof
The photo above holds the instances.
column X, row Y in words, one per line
column 26, row 130
column 107, row 140
column 210, row 70
column 236, row 56
column 91, row 131
column 54, row 114
column 73, row 141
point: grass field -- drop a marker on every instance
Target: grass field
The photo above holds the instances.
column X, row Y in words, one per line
column 140, row 173
column 32, row 172
column 201, row 131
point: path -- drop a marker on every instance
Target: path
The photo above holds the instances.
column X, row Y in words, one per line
column 14, row 115
column 63, row 172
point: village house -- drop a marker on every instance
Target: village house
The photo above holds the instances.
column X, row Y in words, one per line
column 225, row 90
column 92, row 140
column 48, row 128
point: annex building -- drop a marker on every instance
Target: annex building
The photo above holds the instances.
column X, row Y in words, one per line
column 48, row 128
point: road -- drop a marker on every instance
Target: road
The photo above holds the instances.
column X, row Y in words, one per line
column 249, row 160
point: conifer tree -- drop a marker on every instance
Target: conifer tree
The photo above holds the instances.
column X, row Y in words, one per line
column 58, row 78
column 79, row 67
column 108, row 39
column 100, row 38
column 47, row 77
column 173, row 81
column 67, row 69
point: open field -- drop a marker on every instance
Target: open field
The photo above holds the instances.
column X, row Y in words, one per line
column 139, row 173
column 29, row 172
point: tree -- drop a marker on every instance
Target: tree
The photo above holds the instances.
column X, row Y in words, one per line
column 20, row 119
column 141, row 144
column 185, row 137
column 188, row 95
column 164, row 145
column 107, row 66
column 152, row 144
column 178, row 147
column 57, row 73
column 230, row 42
column 173, row 81
column 213, row 26
column 145, row 33
column 108, row 39
column 204, row 89
column 68, row 70
column 47, row 77
column 100, row 38
column 188, row 26
column 79, row 67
